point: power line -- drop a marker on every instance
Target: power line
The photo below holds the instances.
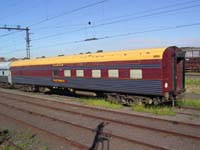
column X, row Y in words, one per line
column 153, row 9
column 148, row 15
column 123, row 34
column 132, row 18
column 153, row 30
column 60, row 26
column 60, row 15
column 7, row 34
column 114, row 36
column 68, row 12
column 119, row 21
column 52, row 18
column 109, row 23
column 128, row 15
column 58, row 34
column 27, row 36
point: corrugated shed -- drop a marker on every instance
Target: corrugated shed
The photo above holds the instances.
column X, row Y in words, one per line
column 125, row 55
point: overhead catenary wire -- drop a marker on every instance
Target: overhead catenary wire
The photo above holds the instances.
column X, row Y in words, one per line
column 60, row 26
column 117, row 21
column 127, row 15
column 68, row 12
column 7, row 34
column 152, row 10
column 126, row 34
column 152, row 30
column 115, row 36
column 123, row 34
column 8, row 45
column 148, row 15
column 60, row 15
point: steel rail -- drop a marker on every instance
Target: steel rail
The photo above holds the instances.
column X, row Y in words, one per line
column 86, row 128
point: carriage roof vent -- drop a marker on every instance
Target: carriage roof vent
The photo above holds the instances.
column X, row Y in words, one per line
column 99, row 51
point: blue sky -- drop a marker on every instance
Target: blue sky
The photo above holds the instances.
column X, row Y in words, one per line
column 108, row 18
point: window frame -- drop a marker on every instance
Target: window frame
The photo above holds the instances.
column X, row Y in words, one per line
column 111, row 73
column 78, row 74
column 136, row 75
column 94, row 74
column 69, row 74
column 53, row 73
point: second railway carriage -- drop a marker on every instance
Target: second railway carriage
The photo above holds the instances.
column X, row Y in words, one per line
column 146, row 75
column 192, row 64
column 5, row 74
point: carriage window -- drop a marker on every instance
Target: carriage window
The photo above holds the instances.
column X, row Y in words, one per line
column 67, row 73
column 55, row 73
column 113, row 73
column 3, row 73
column 79, row 73
column 96, row 73
column 136, row 73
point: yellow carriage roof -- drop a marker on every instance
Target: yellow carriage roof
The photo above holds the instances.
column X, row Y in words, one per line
column 124, row 55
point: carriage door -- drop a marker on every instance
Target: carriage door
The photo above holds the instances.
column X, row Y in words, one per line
column 9, row 77
column 179, row 71
column 58, row 74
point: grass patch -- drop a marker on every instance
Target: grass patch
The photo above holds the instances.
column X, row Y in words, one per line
column 195, row 82
column 157, row 110
column 193, row 85
column 24, row 140
column 189, row 103
column 192, row 73
column 7, row 147
column 101, row 102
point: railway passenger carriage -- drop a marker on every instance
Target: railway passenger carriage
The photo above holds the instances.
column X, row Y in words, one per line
column 5, row 74
column 192, row 64
column 148, row 75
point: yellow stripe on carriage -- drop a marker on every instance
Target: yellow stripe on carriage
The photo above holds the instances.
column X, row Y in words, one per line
column 124, row 55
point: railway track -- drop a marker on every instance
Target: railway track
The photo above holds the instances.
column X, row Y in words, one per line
column 124, row 139
column 58, row 106
column 190, row 108
column 190, row 111
column 192, row 75
column 188, row 114
column 33, row 100
column 42, row 102
column 49, row 133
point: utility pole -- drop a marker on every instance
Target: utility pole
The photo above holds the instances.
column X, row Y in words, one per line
column 18, row 28
column 28, row 51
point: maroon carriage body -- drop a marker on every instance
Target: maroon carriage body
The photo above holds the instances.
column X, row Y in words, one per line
column 173, row 71
column 163, row 77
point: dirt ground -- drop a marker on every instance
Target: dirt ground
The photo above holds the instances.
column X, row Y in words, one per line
column 30, row 139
